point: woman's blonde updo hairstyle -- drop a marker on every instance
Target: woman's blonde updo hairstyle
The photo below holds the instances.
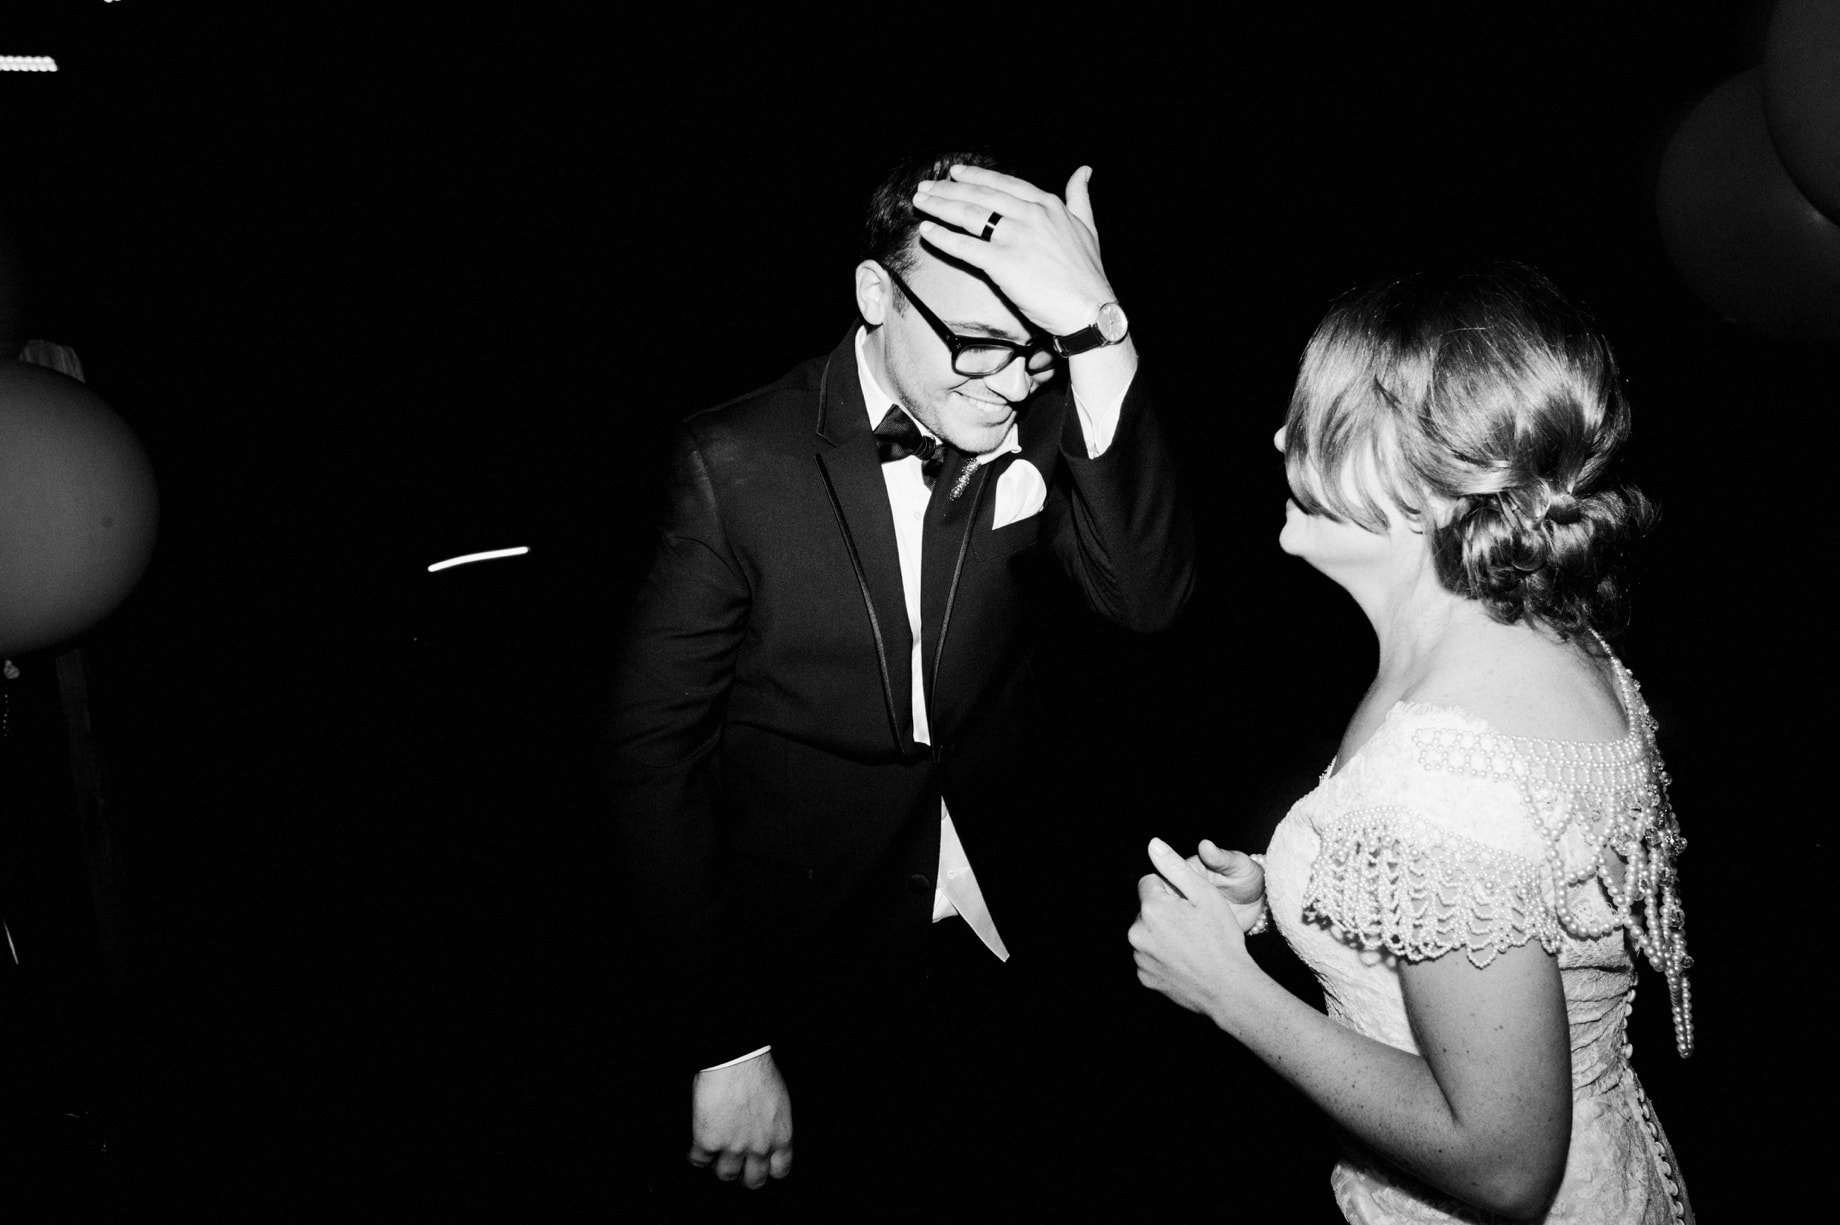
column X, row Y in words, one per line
column 1491, row 391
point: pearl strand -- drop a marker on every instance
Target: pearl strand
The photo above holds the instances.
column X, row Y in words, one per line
column 1625, row 783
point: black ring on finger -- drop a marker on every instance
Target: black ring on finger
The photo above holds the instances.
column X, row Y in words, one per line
column 991, row 225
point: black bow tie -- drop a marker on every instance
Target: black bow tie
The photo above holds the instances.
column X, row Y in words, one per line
column 897, row 437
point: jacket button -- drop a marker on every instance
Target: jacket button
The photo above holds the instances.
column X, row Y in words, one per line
column 920, row 883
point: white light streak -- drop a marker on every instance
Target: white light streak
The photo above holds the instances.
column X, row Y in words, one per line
column 27, row 63
column 488, row 555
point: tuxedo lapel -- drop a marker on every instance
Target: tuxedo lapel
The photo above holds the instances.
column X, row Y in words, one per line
column 950, row 522
column 852, row 474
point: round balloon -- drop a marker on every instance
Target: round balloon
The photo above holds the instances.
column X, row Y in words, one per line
column 1801, row 97
column 1741, row 234
column 77, row 508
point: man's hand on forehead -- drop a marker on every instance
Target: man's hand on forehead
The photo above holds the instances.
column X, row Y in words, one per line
column 1042, row 252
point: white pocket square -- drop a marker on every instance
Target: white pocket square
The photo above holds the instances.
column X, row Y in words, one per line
column 1020, row 493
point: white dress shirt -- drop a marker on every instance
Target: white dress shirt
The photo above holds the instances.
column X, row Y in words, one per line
column 956, row 890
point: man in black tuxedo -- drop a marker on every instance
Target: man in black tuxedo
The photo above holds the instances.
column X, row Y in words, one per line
column 822, row 748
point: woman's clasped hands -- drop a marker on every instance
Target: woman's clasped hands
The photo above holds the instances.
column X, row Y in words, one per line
column 1189, row 937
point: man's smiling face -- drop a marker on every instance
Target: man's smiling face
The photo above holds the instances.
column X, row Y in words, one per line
column 972, row 413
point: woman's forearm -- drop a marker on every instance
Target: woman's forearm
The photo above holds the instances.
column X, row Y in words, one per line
column 1388, row 1098
column 1482, row 1111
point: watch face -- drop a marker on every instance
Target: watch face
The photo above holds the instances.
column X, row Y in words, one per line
column 1111, row 323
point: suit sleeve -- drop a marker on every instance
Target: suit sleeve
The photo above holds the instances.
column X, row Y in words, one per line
column 671, row 682
column 1127, row 537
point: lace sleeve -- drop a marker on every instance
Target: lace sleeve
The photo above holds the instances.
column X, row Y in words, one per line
column 1386, row 878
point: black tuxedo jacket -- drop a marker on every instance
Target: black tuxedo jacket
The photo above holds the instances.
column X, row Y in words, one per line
column 777, row 824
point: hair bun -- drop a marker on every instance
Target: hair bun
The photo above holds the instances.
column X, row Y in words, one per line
column 1492, row 391
column 1563, row 508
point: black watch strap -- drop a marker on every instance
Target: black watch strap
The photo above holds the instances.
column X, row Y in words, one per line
column 1090, row 336
column 1078, row 342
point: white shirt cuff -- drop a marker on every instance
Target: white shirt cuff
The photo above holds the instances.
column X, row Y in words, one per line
column 1099, row 422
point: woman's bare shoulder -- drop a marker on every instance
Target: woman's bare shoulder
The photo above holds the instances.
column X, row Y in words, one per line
column 1527, row 685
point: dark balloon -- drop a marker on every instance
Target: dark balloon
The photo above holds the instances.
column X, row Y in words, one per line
column 77, row 508
column 1801, row 97
column 1742, row 235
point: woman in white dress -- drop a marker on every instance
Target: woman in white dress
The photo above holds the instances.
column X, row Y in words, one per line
column 1475, row 873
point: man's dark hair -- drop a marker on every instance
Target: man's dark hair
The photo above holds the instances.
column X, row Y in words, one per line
column 889, row 229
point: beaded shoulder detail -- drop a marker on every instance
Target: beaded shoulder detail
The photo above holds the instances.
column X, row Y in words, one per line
column 1603, row 815
column 1387, row 878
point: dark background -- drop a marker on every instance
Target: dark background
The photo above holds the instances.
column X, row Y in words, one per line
column 381, row 284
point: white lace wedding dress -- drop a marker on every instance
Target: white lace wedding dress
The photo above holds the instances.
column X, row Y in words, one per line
column 1440, row 837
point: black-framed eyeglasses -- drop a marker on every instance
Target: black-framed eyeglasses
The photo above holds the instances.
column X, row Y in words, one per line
column 985, row 355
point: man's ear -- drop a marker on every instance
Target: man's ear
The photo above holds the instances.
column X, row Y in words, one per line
column 874, row 292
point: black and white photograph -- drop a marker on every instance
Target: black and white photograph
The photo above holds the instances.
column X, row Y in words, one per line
column 861, row 615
